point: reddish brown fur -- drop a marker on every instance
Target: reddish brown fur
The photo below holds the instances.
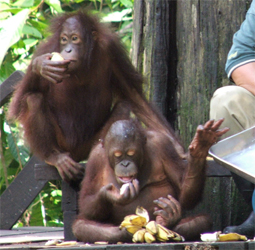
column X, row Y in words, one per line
column 162, row 173
column 65, row 117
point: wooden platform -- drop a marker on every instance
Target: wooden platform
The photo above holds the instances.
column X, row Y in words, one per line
column 36, row 237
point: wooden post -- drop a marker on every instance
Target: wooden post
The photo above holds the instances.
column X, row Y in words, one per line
column 181, row 47
column 204, row 36
column 154, row 51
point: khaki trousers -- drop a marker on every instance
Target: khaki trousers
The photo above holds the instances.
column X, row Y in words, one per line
column 236, row 105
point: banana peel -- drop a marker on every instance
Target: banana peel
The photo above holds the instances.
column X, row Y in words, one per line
column 218, row 236
column 232, row 237
column 143, row 213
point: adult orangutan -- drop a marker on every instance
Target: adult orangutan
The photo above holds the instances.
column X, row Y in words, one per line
column 63, row 104
column 158, row 178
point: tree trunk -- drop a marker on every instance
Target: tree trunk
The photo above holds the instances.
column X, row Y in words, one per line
column 204, row 37
column 154, row 51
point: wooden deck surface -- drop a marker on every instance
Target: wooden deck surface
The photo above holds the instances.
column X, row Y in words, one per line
column 36, row 237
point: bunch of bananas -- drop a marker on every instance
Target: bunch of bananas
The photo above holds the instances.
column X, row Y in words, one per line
column 147, row 231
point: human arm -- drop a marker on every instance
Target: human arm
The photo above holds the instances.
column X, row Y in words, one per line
column 244, row 76
column 240, row 64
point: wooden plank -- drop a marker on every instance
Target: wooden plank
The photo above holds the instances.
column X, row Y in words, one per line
column 6, row 88
column 69, row 217
column 33, row 237
column 251, row 245
column 69, row 207
column 46, row 172
column 19, row 195
column 29, row 230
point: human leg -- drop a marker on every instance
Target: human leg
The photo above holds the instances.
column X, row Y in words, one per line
column 236, row 105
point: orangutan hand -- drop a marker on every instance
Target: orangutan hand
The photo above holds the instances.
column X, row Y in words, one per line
column 205, row 137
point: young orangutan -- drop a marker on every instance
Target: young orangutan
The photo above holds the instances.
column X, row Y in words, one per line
column 158, row 180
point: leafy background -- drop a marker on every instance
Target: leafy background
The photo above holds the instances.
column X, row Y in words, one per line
column 23, row 24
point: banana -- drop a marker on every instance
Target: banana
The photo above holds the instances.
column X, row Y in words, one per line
column 232, row 237
column 162, row 235
column 56, row 57
column 148, row 237
column 144, row 230
column 127, row 220
column 139, row 236
column 142, row 212
column 138, row 221
column 178, row 237
column 132, row 228
column 152, row 227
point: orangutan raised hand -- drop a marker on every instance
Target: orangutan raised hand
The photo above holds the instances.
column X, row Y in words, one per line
column 206, row 135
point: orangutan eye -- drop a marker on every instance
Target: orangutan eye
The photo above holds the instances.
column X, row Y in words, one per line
column 75, row 39
column 63, row 39
column 131, row 152
column 117, row 153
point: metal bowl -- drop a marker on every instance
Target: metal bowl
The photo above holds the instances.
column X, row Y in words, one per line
column 237, row 153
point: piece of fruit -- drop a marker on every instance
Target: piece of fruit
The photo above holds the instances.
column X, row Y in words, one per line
column 211, row 237
column 143, row 212
column 132, row 228
column 56, row 57
column 138, row 221
column 163, row 233
column 232, row 237
column 148, row 237
column 123, row 188
column 152, row 227
column 139, row 236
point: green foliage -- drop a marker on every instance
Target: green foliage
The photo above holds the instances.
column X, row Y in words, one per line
column 23, row 24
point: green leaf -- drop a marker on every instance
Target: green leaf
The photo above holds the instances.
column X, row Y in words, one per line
column 29, row 30
column 6, row 70
column 40, row 26
column 55, row 4
column 127, row 3
column 18, row 151
column 24, row 3
column 56, row 192
column 11, row 30
column 118, row 16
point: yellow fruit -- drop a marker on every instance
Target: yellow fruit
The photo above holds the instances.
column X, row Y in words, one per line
column 232, row 237
column 132, row 229
column 129, row 217
column 148, row 237
column 139, row 236
column 162, row 234
column 56, row 57
column 138, row 221
column 151, row 227
column 178, row 237
column 142, row 212
column 127, row 220
column 125, row 223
